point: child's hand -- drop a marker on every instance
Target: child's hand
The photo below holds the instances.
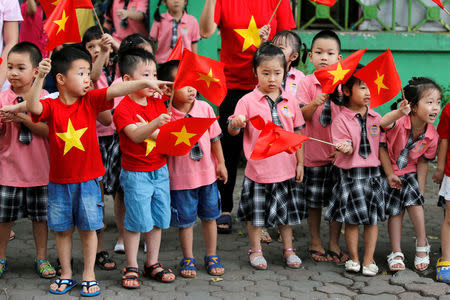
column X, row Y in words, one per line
column 320, row 99
column 264, row 33
column 122, row 14
column 156, row 84
column 141, row 122
column 44, row 67
column 438, row 176
column 299, row 172
column 222, row 173
column 344, row 147
column 9, row 109
column 106, row 43
column 394, row 182
column 239, row 121
column 163, row 119
column 404, row 107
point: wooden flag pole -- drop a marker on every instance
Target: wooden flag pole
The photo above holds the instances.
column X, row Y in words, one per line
column 98, row 21
column 274, row 12
column 448, row 13
column 170, row 102
column 320, row 141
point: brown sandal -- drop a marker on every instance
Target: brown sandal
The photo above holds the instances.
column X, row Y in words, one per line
column 160, row 276
column 133, row 280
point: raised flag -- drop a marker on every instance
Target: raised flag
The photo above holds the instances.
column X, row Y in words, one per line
column 382, row 79
column 330, row 77
column 438, row 2
column 49, row 5
column 178, row 137
column 177, row 51
column 329, row 3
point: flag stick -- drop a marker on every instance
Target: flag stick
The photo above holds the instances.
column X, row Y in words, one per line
column 98, row 21
column 448, row 13
column 320, row 141
column 403, row 94
column 274, row 12
column 170, row 102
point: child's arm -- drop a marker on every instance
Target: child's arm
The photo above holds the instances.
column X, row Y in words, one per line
column 441, row 158
column 194, row 47
column 31, row 8
column 97, row 67
column 138, row 133
column 388, row 120
column 127, row 87
column 105, row 118
column 33, row 104
column 422, row 171
column 135, row 15
column 300, row 155
column 309, row 109
column 235, row 124
column 7, row 116
column 393, row 180
column 221, row 170
column 206, row 23
column 264, row 33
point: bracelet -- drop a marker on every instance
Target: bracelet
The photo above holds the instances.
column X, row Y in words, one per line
column 230, row 122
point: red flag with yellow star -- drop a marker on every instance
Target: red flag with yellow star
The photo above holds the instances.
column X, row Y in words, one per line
column 178, row 137
column 329, row 3
column 49, row 5
column 202, row 73
column 330, row 77
column 177, row 51
column 273, row 140
column 382, row 79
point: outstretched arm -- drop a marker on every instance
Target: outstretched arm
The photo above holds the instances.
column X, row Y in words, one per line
column 206, row 23
column 388, row 120
column 127, row 87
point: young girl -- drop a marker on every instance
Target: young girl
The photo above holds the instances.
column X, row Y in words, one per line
column 442, row 176
column 411, row 142
column 358, row 196
column 271, row 183
column 169, row 26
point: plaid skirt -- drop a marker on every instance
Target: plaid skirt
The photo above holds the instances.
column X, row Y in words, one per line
column 270, row 204
column 318, row 185
column 113, row 166
column 408, row 195
column 358, row 197
column 21, row 202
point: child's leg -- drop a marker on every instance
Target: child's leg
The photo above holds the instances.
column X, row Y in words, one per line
column 395, row 234
column 314, row 218
column 119, row 214
column 335, row 233
column 89, row 248
column 210, row 235
column 445, row 234
column 5, row 229
column 40, row 233
column 105, row 261
column 186, row 236
column 131, row 243
column 254, row 233
column 417, row 217
column 64, row 249
column 351, row 238
column 370, row 242
column 153, row 242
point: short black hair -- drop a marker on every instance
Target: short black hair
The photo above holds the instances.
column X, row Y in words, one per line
column 31, row 49
column 327, row 34
column 92, row 33
column 134, row 40
column 130, row 58
column 62, row 60
column 165, row 70
column 268, row 51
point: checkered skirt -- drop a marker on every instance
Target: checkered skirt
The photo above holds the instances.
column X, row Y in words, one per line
column 270, row 204
column 22, row 202
column 112, row 165
column 442, row 202
column 408, row 195
column 358, row 197
column 318, row 185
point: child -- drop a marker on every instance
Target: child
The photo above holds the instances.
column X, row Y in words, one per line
column 320, row 111
column 358, row 196
column 193, row 188
column 442, row 176
column 74, row 194
column 273, row 182
column 411, row 142
column 169, row 26
column 24, row 159
column 144, row 177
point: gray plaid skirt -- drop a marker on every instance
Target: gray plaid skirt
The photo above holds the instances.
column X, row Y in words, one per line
column 408, row 195
column 441, row 202
column 318, row 185
column 270, row 204
column 358, row 197
column 112, row 165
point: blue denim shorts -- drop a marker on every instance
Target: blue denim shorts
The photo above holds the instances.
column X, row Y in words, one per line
column 186, row 205
column 75, row 204
column 147, row 199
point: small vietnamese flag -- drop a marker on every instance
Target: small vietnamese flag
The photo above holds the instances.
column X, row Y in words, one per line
column 438, row 2
column 258, row 122
column 178, row 137
column 274, row 139
column 330, row 77
column 204, row 74
column 329, row 3
column 49, row 5
column 382, row 79
column 177, row 51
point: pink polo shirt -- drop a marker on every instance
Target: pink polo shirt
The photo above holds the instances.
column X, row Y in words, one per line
column 103, row 130
column 133, row 26
column 21, row 165
column 162, row 32
column 316, row 154
column 346, row 128
column 293, row 78
column 396, row 139
column 279, row 167
column 186, row 173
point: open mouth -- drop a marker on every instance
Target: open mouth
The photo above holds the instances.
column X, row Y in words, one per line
column 432, row 116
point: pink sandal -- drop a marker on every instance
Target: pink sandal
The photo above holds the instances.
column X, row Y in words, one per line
column 259, row 262
column 292, row 261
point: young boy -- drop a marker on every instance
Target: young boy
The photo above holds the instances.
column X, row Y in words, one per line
column 75, row 161
column 193, row 187
column 24, row 159
column 144, row 177
column 319, row 111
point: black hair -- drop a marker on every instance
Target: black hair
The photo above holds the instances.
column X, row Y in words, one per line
column 31, row 49
column 327, row 34
column 130, row 58
column 268, row 51
column 92, row 33
column 165, row 70
column 157, row 14
column 134, row 40
column 415, row 89
column 347, row 85
column 294, row 40
column 62, row 60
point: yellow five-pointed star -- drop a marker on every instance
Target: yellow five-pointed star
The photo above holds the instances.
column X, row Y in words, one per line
column 339, row 73
column 62, row 22
column 151, row 143
column 56, row 2
column 379, row 83
column 72, row 137
column 207, row 77
column 183, row 136
column 250, row 35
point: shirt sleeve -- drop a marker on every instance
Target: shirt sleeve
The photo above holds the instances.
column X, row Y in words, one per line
column 154, row 32
column 46, row 109
column 12, row 11
column 431, row 151
column 285, row 18
column 122, row 117
column 195, row 31
column 97, row 99
column 299, row 121
column 302, row 94
column 443, row 127
column 218, row 12
column 339, row 131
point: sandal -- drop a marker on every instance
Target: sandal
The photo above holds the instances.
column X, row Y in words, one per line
column 318, row 253
column 339, row 256
column 443, row 271
column 119, row 248
column 265, row 236
column 160, row 276
column 292, row 261
column 4, row 267
column 87, row 285
column 259, row 262
column 43, row 265
column 133, row 278
column 352, row 266
column 58, row 266
column 422, row 260
column 224, row 220
column 102, row 258
column 70, row 284
column 392, row 260
column 215, row 264
column 370, row 270
column 188, row 264
column 12, row 236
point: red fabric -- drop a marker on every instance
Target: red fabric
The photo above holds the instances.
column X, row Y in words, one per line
column 74, row 151
column 178, row 137
column 438, row 2
column 273, row 140
column 444, row 133
column 50, row 5
column 258, row 122
column 177, row 51
column 140, row 157
column 382, row 79
column 204, row 74
column 329, row 3
column 328, row 77
column 237, row 14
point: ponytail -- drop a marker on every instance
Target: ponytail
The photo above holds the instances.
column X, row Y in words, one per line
column 305, row 53
column 157, row 15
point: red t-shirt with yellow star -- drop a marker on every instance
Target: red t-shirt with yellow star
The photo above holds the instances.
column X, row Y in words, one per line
column 138, row 157
column 239, row 23
column 74, row 151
